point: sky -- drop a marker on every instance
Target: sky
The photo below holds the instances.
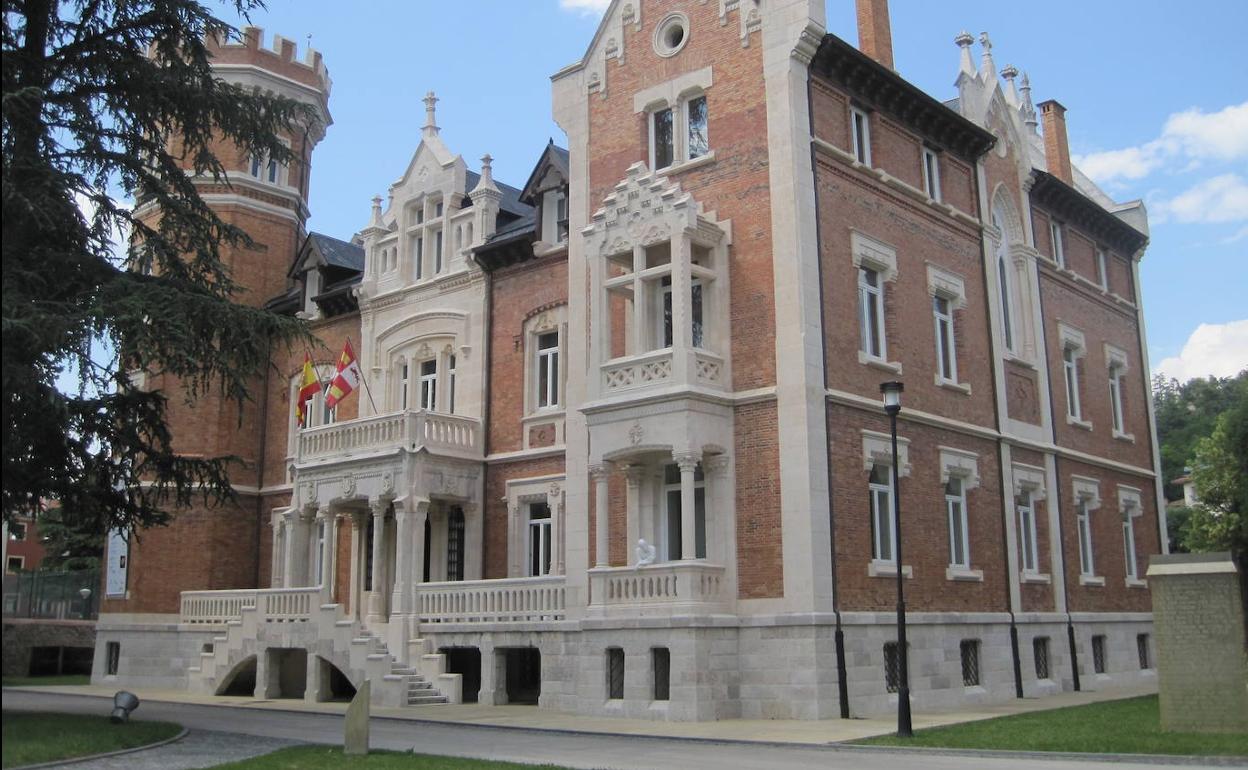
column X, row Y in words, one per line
column 1156, row 98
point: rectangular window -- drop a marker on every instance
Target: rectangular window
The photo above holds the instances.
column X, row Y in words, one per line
column 1040, row 654
column 429, row 385
column 673, row 515
column 561, row 217
column 860, row 131
column 539, row 539
column 1027, row 531
column 931, row 173
column 1084, row 521
column 1115, row 398
column 880, row 489
column 665, row 310
column 969, row 649
column 404, row 385
column 870, row 312
column 257, row 163
column 420, row 258
column 663, row 150
column 615, row 673
column 955, row 508
column 548, row 370
column 695, row 112
column 1070, row 366
column 450, row 384
column 946, row 353
column 437, row 209
column 1059, row 247
column 892, row 667
column 271, row 175
column 1098, row 654
column 1141, row 649
column 1003, row 287
column 437, row 251
column 1102, row 270
column 1128, row 546
column 17, row 531
column 112, row 658
column 319, row 568
column 15, row 564
column 661, row 662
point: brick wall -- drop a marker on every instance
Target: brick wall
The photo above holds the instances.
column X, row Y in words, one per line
column 497, row 518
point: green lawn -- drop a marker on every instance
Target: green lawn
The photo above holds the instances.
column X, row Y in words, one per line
column 1130, row 726
column 317, row 757
column 31, row 737
column 47, row 681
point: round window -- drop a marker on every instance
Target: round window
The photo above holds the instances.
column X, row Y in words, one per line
column 671, row 34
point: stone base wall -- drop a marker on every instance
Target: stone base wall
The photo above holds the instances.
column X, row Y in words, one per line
column 154, row 652
column 22, row 634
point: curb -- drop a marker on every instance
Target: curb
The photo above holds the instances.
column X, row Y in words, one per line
column 846, row 746
column 105, row 755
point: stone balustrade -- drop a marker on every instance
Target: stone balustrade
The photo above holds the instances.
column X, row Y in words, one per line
column 659, row 589
column 637, row 371
column 272, row 605
column 511, row 600
column 447, row 434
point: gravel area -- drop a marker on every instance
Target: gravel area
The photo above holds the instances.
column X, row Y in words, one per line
column 200, row 748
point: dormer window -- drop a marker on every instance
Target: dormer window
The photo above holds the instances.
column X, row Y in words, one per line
column 554, row 213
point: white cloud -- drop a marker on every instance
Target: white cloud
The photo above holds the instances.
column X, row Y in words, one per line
column 1189, row 137
column 1218, row 350
column 587, row 7
column 1222, row 198
column 1235, row 237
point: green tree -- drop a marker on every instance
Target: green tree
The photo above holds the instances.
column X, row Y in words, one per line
column 1220, row 473
column 107, row 99
column 1186, row 413
column 70, row 542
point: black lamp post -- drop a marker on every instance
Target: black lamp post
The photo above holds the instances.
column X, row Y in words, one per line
column 892, row 405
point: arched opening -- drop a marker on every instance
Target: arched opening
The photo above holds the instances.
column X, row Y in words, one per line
column 241, row 680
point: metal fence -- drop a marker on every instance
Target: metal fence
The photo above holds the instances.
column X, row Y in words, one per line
column 52, row 595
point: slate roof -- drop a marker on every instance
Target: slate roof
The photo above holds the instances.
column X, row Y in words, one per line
column 511, row 196
column 339, row 253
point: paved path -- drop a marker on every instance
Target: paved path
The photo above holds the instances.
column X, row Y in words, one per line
column 200, row 748
column 625, row 752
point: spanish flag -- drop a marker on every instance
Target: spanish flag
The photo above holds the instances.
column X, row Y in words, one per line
column 309, row 386
column 346, row 379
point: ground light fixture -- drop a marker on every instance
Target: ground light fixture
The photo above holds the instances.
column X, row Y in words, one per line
column 123, row 703
column 892, row 405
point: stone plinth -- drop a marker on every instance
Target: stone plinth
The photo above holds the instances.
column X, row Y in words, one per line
column 1202, row 653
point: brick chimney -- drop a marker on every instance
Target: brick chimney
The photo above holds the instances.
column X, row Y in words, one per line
column 1056, row 149
column 875, row 37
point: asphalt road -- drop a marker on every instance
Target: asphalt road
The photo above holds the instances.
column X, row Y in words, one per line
column 538, row 746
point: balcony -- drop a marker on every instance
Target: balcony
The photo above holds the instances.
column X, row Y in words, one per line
column 671, row 588
column 656, row 368
column 444, row 434
column 272, row 605
column 511, row 600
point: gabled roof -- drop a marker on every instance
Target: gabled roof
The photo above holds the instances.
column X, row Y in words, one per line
column 332, row 252
column 554, row 157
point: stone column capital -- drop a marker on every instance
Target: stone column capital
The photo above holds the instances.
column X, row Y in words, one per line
column 324, row 512
column 600, row 471
column 714, row 464
column 688, row 460
column 634, row 474
column 378, row 506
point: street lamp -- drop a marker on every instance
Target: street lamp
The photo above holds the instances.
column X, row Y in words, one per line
column 85, row 593
column 892, row 405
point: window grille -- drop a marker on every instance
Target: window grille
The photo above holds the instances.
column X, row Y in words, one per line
column 1098, row 654
column 1040, row 651
column 1141, row 647
column 970, row 662
column 615, row 673
column 455, row 545
column 662, row 661
column 114, row 658
column 892, row 667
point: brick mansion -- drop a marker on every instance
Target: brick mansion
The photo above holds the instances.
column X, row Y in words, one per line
column 622, row 449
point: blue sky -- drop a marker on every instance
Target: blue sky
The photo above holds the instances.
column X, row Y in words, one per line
column 1158, row 110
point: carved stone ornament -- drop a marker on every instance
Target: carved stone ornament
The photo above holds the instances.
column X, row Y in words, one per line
column 554, row 490
column 348, row 486
column 387, row 482
column 309, row 492
column 636, row 433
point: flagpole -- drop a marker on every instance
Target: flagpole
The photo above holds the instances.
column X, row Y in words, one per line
column 364, row 380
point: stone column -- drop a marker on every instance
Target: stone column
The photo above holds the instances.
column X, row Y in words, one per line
column 290, row 523
column 357, row 575
column 634, row 474
column 329, row 550
column 714, row 470
column 418, row 544
column 601, row 531
column 554, row 500
column 376, row 597
column 268, row 674
column 688, row 462
column 277, row 563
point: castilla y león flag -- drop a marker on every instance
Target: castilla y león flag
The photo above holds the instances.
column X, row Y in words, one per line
column 346, row 379
column 309, row 386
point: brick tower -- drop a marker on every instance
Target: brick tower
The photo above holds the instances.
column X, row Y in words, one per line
column 218, row 547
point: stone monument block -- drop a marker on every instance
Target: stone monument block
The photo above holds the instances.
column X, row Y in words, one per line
column 356, row 739
column 1202, row 642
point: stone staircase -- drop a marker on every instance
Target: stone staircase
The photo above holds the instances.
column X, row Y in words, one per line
column 322, row 630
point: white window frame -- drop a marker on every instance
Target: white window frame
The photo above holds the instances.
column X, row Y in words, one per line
column 318, row 554
column 868, row 253
column 547, row 364
column 681, row 127
column 263, row 168
column 931, row 173
column 881, row 502
column 946, row 340
column 538, row 535
column 438, row 244
column 962, row 466
column 877, row 451
column 1058, row 243
column 1102, row 268
column 949, row 287
column 871, row 314
column 1116, row 361
column 1005, row 287
column 860, row 135
column 403, row 381
column 664, row 543
column 1087, row 554
column 451, row 362
column 956, row 519
column 427, row 386
column 1029, row 547
column 1073, row 349
column 1130, row 507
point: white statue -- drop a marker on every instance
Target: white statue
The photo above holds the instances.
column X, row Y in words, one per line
column 645, row 553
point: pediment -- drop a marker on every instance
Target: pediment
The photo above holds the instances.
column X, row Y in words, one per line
column 645, row 208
